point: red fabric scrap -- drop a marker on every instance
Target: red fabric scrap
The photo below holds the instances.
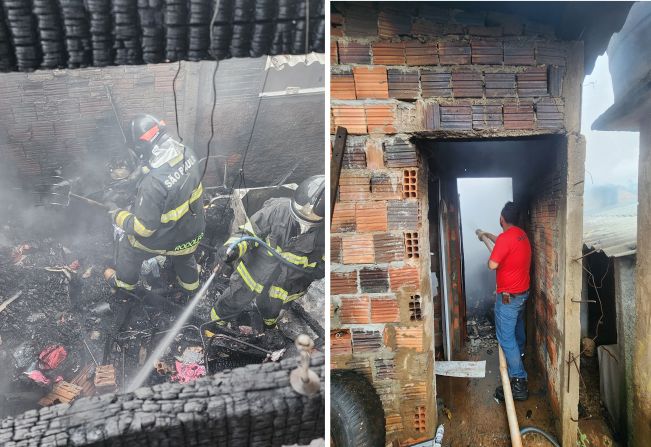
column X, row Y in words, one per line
column 52, row 356
column 38, row 377
column 188, row 372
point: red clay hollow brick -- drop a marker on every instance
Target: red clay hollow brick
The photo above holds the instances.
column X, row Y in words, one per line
column 389, row 53
column 384, row 310
column 371, row 82
column 418, row 53
column 343, row 283
column 358, row 249
column 404, row 277
column 354, row 311
column 371, row 216
column 342, row 86
column 380, row 118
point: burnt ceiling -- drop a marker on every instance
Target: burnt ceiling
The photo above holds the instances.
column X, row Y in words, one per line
column 81, row 33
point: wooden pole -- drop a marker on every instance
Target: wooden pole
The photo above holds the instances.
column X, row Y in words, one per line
column 514, row 428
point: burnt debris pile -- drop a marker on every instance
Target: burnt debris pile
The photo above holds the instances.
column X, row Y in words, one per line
column 62, row 337
column 250, row 406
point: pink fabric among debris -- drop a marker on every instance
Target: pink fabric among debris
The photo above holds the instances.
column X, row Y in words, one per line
column 74, row 265
column 188, row 372
column 52, row 356
column 38, row 377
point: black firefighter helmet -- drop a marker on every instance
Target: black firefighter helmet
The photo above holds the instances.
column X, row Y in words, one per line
column 147, row 132
column 308, row 203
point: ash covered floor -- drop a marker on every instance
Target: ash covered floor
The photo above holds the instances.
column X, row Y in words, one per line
column 64, row 302
column 476, row 419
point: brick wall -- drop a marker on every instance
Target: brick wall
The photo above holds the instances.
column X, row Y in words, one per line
column 423, row 71
column 63, row 118
column 545, row 228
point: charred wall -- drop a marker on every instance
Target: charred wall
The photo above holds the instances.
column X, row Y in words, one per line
column 250, row 406
column 63, row 118
column 409, row 74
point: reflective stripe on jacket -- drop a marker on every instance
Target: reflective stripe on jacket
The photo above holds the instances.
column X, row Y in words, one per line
column 257, row 268
column 168, row 216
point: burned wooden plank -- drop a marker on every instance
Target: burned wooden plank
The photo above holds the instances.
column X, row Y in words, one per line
column 84, row 379
column 400, row 154
column 403, row 84
column 435, row 84
column 105, row 379
column 62, row 393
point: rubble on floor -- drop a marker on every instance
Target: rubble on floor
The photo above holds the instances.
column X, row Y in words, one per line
column 56, row 314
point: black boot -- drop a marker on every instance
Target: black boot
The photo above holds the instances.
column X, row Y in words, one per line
column 519, row 389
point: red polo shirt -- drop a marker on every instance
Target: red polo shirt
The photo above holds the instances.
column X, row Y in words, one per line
column 513, row 254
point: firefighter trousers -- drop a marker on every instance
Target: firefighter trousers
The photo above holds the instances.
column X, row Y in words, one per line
column 130, row 260
column 238, row 296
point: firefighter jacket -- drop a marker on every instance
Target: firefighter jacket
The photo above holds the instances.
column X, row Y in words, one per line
column 260, row 271
column 167, row 217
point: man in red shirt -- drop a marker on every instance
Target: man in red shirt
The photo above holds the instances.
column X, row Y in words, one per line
column 511, row 257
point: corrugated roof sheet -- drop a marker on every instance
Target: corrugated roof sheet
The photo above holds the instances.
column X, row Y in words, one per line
column 613, row 231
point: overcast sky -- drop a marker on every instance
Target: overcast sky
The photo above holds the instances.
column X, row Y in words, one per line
column 611, row 157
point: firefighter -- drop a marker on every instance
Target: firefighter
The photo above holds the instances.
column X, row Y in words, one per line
column 294, row 228
column 167, row 217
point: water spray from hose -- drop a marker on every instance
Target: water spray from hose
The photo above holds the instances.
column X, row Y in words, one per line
column 146, row 369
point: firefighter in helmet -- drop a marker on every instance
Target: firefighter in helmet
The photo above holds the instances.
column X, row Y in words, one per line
column 167, row 217
column 294, row 228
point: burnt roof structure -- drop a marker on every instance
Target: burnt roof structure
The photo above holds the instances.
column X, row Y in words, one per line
column 81, row 33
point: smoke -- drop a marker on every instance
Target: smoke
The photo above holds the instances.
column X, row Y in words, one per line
column 481, row 200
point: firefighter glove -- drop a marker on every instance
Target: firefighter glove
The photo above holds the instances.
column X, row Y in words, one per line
column 226, row 256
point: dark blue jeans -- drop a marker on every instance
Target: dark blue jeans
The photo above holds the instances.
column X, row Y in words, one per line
column 509, row 327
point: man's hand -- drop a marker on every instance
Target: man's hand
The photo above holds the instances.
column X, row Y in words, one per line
column 227, row 256
column 479, row 234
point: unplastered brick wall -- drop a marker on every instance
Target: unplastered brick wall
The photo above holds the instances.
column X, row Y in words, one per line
column 57, row 118
column 545, row 232
column 425, row 71
column 379, row 279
